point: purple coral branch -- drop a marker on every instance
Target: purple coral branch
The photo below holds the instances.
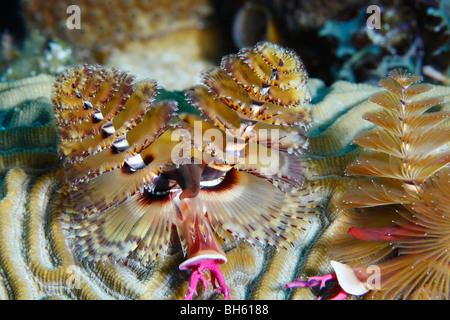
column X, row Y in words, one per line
column 216, row 275
column 319, row 280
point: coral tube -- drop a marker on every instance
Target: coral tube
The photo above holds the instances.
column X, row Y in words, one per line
column 202, row 250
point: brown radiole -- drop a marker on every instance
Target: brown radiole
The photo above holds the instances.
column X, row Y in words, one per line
column 130, row 193
column 402, row 221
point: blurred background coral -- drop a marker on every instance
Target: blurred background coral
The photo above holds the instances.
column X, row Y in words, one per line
column 158, row 39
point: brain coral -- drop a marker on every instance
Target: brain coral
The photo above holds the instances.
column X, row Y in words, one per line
column 37, row 261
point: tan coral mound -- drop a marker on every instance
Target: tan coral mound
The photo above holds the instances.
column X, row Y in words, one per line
column 142, row 37
column 108, row 24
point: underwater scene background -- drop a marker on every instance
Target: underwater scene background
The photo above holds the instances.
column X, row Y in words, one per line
column 359, row 208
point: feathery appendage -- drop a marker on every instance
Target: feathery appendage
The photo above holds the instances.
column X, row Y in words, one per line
column 130, row 189
column 401, row 228
column 258, row 97
column 256, row 102
column 393, row 238
column 255, row 115
column 108, row 127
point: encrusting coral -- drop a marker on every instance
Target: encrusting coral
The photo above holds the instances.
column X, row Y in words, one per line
column 42, row 263
column 28, row 136
column 142, row 37
column 107, row 25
